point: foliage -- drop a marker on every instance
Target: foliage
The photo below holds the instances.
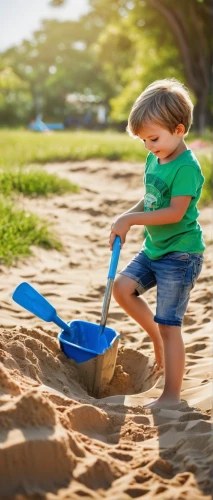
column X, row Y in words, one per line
column 56, row 62
column 155, row 61
column 14, row 95
column 109, row 54
column 9, row 80
column 20, row 230
column 169, row 38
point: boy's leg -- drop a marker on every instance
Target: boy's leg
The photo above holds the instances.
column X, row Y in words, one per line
column 124, row 292
column 176, row 274
column 174, row 356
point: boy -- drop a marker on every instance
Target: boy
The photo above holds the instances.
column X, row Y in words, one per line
column 171, row 256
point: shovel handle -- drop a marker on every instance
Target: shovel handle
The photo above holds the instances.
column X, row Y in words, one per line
column 111, row 275
column 114, row 258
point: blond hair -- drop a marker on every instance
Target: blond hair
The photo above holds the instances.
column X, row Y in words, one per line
column 166, row 103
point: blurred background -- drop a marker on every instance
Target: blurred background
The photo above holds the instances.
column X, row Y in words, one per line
column 72, row 69
column 80, row 64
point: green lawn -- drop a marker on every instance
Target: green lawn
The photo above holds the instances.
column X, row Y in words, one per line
column 20, row 147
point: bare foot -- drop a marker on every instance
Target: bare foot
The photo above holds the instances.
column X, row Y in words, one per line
column 164, row 402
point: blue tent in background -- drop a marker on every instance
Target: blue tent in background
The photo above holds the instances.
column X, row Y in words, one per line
column 39, row 126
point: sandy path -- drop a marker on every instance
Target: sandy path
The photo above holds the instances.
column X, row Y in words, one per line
column 56, row 441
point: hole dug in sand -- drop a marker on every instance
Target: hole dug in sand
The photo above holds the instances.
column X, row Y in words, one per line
column 134, row 373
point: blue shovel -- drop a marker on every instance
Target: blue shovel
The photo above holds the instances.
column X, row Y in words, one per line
column 29, row 298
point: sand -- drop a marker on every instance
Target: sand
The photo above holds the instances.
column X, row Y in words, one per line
column 56, row 440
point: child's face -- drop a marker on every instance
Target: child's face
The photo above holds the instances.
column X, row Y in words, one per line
column 160, row 141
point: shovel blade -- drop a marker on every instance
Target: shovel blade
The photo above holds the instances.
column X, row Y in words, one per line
column 29, row 298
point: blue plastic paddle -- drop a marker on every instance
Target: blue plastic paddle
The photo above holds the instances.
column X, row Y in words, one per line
column 29, row 298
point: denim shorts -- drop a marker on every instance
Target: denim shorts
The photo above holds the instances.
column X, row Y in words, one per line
column 174, row 274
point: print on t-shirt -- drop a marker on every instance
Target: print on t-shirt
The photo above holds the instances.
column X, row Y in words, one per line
column 156, row 189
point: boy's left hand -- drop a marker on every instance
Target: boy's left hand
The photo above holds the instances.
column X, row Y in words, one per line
column 120, row 228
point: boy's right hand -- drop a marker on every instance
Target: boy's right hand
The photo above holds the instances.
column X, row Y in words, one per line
column 119, row 228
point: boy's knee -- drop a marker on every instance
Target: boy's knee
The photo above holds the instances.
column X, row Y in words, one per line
column 123, row 288
column 118, row 288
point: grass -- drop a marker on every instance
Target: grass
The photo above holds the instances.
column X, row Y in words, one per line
column 34, row 182
column 207, row 169
column 20, row 230
column 20, row 148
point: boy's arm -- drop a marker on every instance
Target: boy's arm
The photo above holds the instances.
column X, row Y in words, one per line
column 139, row 207
column 170, row 215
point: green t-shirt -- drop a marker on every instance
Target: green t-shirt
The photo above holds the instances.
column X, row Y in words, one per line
column 179, row 177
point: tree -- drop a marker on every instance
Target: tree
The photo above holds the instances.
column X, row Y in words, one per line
column 189, row 24
column 114, row 51
column 58, row 60
column 135, row 61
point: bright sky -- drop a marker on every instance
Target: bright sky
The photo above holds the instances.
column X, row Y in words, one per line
column 19, row 18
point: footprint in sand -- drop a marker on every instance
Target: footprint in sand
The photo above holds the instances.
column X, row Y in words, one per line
column 199, row 346
column 79, row 299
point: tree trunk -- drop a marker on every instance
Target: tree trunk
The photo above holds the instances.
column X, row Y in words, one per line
column 194, row 55
column 199, row 122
